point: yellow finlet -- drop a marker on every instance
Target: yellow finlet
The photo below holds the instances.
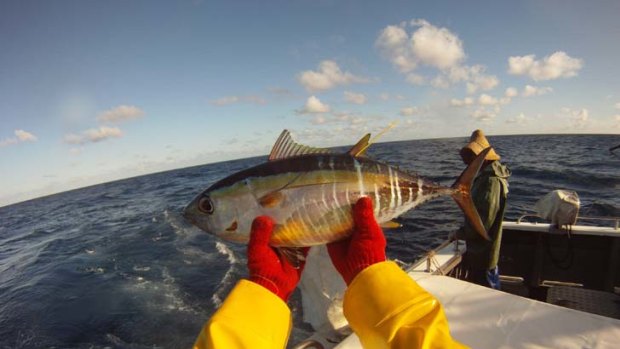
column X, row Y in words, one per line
column 390, row 225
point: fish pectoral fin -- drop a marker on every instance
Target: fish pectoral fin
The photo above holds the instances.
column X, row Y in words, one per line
column 390, row 225
column 296, row 256
column 271, row 200
column 233, row 226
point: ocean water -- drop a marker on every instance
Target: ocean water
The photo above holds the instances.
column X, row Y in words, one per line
column 116, row 266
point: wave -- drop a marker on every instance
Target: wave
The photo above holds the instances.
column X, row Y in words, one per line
column 229, row 277
column 106, row 266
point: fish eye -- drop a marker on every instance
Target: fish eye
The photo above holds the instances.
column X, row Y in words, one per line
column 205, row 205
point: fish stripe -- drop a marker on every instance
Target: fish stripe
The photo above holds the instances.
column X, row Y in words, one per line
column 360, row 177
column 399, row 201
column 377, row 200
column 392, row 201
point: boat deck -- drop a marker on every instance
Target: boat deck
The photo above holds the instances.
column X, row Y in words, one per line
column 546, row 301
column 536, row 258
column 484, row 318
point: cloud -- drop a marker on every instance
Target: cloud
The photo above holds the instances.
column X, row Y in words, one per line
column 93, row 135
column 408, row 111
column 280, row 91
column 328, row 76
column 437, row 47
column 529, row 91
column 8, row 141
column 356, row 98
column 345, row 116
column 20, row 136
column 617, row 105
column 227, row 100
column 24, row 136
column 393, row 42
column 581, row 118
column 511, row 92
column 485, row 99
column 483, row 114
column 255, row 99
column 461, row 103
column 433, row 47
column 115, row 115
column 386, row 97
column 415, row 79
column 429, row 45
column 558, row 65
column 478, row 80
column 314, row 106
column 339, row 122
column 319, row 120
column 578, row 118
column 475, row 78
column 520, row 119
column 120, row 114
column 440, row 81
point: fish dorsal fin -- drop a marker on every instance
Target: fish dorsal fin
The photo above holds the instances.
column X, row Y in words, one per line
column 360, row 147
column 286, row 147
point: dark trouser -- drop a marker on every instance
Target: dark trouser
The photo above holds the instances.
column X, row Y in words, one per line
column 480, row 275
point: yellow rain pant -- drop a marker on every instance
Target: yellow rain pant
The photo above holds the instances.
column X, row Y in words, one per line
column 251, row 317
column 383, row 305
column 388, row 309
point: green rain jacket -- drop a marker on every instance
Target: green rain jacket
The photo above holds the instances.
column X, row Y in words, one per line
column 489, row 192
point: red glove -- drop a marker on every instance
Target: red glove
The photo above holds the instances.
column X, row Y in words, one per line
column 365, row 247
column 267, row 267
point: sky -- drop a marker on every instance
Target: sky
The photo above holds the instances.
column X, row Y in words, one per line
column 94, row 91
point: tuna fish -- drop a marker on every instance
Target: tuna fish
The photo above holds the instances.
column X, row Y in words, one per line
column 309, row 193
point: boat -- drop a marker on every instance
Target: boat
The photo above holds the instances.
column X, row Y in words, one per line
column 560, row 289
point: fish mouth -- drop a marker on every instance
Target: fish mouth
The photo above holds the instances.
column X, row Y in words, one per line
column 233, row 226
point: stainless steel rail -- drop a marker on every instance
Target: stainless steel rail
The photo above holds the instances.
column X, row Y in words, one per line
column 614, row 220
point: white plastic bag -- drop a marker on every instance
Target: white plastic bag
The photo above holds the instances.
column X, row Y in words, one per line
column 560, row 207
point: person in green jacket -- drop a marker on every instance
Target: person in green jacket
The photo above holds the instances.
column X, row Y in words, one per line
column 489, row 193
column 255, row 313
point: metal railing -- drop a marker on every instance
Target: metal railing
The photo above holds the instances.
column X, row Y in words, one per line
column 615, row 221
column 309, row 343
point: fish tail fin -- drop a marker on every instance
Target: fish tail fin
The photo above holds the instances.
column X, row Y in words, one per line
column 462, row 193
